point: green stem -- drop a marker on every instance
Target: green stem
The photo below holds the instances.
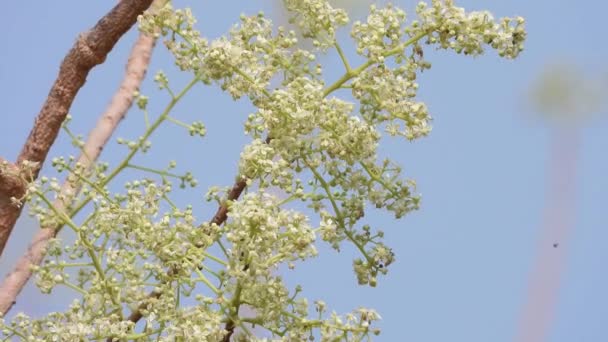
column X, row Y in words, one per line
column 339, row 215
column 155, row 125
column 168, row 200
column 204, row 280
column 75, row 288
column 287, row 200
column 210, row 271
column 99, row 190
column 158, row 172
column 178, row 122
column 75, row 138
column 223, row 248
column 214, row 258
column 15, row 332
column 90, row 249
column 378, row 179
column 342, row 56
column 351, row 73
column 74, row 264
column 249, row 79
column 146, row 119
column 146, row 135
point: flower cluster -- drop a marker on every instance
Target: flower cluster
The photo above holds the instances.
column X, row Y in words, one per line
column 243, row 62
column 138, row 251
column 125, row 242
column 167, row 20
column 382, row 32
column 290, row 111
column 451, row 27
column 260, row 161
column 357, row 323
column 388, row 96
column 367, row 270
column 317, row 19
column 263, row 236
column 76, row 324
column 79, row 323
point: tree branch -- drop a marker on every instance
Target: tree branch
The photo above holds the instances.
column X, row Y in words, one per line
column 90, row 49
column 121, row 102
column 219, row 218
column 221, row 215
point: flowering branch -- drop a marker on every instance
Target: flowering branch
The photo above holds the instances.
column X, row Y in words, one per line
column 319, row 150
column 136, row 68
column 218, row 219
column 90, row 49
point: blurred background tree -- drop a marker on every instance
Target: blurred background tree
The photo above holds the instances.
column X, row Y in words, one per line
column 565, row 98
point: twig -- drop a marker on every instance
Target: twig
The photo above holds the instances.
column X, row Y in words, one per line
column 219, row 218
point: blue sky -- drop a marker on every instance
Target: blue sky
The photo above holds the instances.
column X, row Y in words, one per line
column 465, row 258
